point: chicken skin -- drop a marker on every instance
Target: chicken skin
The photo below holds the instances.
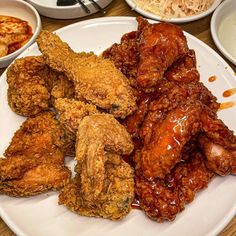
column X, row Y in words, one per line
column 28, row 92
column 37, row 149
column 96, row 79
column 32, row 85
column 159, row 46
column 168, row 138
column 70, row 113
column 163, row 199
column 104, row 184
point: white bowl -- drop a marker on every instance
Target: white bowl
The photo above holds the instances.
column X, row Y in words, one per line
column 50, row 9
column 24, row 11
column 222, row 12
column 173, row 20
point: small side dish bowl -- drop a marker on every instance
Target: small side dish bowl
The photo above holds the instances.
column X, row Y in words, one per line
column 223, row 29
column 50, row 9
column 24, row 11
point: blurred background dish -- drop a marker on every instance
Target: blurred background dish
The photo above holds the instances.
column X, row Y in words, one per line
column 223, row 29
column 10, row 10
column 196, row 5
column 50, row 9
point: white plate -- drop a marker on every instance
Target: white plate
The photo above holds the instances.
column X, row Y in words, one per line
column 41, row 216
column 50, row 9
column 173, row 20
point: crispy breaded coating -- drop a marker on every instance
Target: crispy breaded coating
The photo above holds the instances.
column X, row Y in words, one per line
column 96, row 79
column 33, row 86
column 37, row 149
column 114, row 202
column 44, row 177
column 104, row 184
column 71, row 112
column 28, row 92
column 163, row 199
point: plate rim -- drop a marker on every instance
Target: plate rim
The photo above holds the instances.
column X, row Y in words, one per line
column 230, row 214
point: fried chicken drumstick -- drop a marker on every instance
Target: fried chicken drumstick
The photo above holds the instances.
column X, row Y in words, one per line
column 104, row 184
column 34, row 160
column 96, row 79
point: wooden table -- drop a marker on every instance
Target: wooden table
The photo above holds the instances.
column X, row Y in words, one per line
column 199, row 28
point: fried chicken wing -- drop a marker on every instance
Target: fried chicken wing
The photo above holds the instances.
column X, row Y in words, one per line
column 96, row 79
column 98, row 134
column 160, row 45
column 37, row 148
column 104, row 184
column 219, row 146
column 32, row 85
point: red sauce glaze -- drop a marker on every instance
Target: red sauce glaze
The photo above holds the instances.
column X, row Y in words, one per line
column 226, row 105
column 136, row 204
column 212, row 78
column 229, row 92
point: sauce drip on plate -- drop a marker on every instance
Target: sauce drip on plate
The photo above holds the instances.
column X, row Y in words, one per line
column 212, row 78
column 229, row 92
column 226, row 105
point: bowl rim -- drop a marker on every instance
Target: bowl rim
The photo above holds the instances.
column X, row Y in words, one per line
column 55, row 7
column 214, row 33
column 178, row 20
column 35, row 33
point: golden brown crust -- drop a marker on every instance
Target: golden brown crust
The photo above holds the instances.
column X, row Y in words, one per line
column 28, row 93
column 96, row 79
column 33, row 86
column 104, row 182
column 34, row 160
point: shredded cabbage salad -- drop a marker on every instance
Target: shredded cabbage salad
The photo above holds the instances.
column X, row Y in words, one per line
column 174, row 8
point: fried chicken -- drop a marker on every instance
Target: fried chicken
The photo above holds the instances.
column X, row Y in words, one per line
column 164, row 199
column 70, row 113
column 34, row 160
column 163, row 151
column 184, row 69
column 125, row 56
column 28, row 92
column 104, row 184
column 42, row 178
column 159, row 45
column 32, row 85
column 96, row 79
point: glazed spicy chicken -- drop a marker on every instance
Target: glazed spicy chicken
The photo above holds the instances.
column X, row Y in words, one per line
column 180, row 144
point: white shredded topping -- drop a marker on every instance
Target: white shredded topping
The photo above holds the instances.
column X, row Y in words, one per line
column 174, row 8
